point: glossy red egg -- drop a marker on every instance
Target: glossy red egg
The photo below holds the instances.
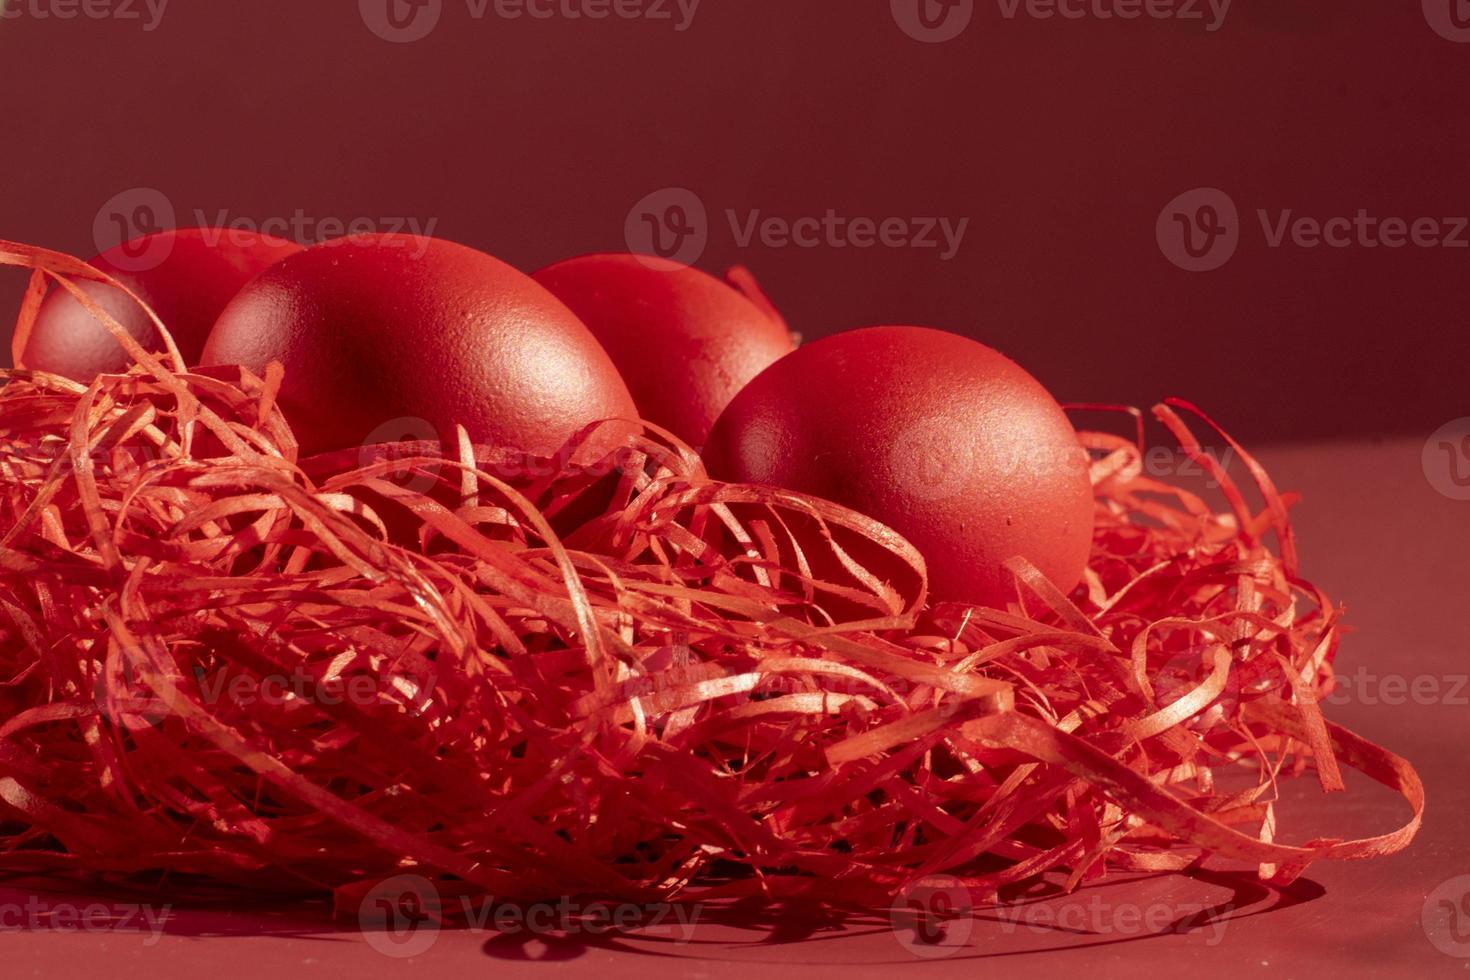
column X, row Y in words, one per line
column 186, row 277
column 938, row 436
column 684, row 341
column 386, row 336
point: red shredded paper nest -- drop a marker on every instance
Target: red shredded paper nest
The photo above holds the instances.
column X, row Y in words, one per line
column 532, row 678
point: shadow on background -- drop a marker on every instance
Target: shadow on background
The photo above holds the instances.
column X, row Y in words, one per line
column 1200, row 905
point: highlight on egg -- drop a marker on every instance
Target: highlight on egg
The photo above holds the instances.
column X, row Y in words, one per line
column 186, row 276
column 375, row 328
column 684, row 341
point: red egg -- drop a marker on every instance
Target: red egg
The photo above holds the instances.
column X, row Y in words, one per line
column 939, row 437
column 186, row 277
column 382, row 335
column 684, row 341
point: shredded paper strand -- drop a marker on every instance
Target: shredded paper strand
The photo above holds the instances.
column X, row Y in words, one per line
column 531, row 677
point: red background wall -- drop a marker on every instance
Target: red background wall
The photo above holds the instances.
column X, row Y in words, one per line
column 1060, row 140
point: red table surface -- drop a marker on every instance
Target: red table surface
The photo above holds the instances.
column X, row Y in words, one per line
column 1374, row 532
